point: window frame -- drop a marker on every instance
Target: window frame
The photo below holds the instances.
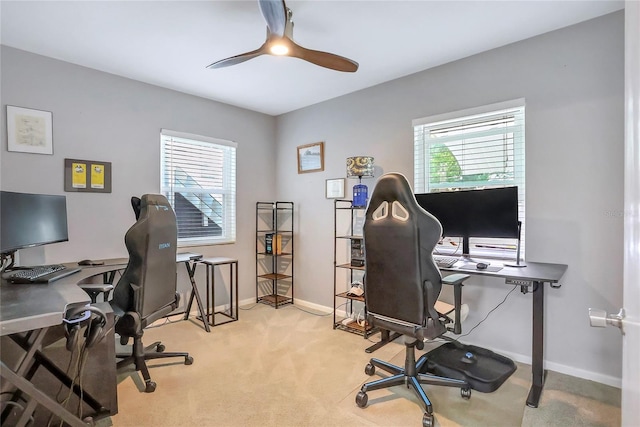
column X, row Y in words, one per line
column 422, row 173
column 225, row 194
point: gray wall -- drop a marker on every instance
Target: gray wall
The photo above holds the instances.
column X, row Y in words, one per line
column 99, row 116
column 572, row 81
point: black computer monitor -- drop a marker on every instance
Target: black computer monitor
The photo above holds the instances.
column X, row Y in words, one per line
column 489, row 213
column 28, row 220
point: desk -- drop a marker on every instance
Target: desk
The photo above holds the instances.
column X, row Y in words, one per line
column 232, row 313
column 27, row 313
column 530, row 278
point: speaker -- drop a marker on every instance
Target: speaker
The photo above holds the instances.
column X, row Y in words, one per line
column 95, row 329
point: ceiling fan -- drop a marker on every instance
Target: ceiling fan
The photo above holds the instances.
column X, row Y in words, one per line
column 280, row 42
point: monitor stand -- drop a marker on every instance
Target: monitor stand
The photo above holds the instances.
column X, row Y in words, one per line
column 518, row 264
column 466, row 253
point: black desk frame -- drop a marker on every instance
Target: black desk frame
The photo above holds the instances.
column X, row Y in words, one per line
column 530, row 278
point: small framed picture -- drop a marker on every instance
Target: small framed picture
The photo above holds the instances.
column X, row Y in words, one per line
column 29, row 131
column 335, row 188
column 311, row 157
column 87, row 176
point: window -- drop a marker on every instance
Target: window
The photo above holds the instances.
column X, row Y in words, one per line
column 474, row 149
column 198, row 177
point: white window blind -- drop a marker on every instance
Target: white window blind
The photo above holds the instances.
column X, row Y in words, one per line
column 474, row 149
column 198, row 177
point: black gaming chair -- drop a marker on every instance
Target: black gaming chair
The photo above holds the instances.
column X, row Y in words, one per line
column 402, row 284
column 147, row 289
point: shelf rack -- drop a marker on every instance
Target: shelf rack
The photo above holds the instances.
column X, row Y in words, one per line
column 345, row 220
column 274, row 261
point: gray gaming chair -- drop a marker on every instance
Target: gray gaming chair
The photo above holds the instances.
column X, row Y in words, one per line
column 402, row 284
column 147, row 289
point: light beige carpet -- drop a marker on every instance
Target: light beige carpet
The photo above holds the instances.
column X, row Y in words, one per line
column 286, row 367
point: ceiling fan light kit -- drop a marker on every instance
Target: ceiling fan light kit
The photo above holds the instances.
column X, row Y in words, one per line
column 280, row 42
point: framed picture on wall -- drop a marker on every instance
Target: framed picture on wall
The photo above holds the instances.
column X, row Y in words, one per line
column 334, row 188
column 29, row 131
column 311, row 157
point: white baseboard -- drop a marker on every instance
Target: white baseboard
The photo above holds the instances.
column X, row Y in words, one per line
column 296, row 301
column 313, row 306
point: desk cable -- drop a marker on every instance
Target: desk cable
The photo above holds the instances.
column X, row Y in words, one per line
column 447, row 339
column 480, row 322
column 75, row 371
column 20, row 407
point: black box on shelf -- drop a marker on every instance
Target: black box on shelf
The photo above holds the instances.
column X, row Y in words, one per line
column 357, row 252
column 268, row 243
column 273, row 243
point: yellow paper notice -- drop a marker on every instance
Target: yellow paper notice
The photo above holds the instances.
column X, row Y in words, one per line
column 79, row 175
column 97, row 176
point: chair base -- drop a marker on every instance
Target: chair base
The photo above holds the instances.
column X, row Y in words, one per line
column 141, row 354
column 410, row 377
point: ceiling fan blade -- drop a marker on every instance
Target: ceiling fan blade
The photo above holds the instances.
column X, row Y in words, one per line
column 323, row 59
column 238, row 58
column 275, row 13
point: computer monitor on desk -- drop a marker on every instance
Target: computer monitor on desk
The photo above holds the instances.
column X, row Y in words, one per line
column 28, row 220
column 491, row 213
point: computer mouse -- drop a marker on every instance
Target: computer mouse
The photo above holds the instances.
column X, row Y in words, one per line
column 482, row 266
column 89, row 262
column 468, row 358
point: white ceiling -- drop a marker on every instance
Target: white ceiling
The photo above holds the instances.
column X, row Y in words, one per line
column 169, row 43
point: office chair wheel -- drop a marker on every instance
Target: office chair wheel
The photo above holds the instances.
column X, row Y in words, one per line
column 362, row 399
column 369, row 369
column 188, row 360
column 465, row 393
column 428, row 420
column 160, row 348
column 150, row 387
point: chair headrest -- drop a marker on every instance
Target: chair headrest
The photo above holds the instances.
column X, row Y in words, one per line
column 393, row 187
column 151, row 201
column 393, row 197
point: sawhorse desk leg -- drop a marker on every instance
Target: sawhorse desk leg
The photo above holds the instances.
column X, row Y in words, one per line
column 191, row 269
column 36, row 396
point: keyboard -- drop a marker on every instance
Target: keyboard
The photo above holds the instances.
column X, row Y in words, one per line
column 445, row 261
column 41, row 274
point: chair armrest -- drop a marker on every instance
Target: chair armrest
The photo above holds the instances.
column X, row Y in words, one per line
column 94, row 289
column 455, row 279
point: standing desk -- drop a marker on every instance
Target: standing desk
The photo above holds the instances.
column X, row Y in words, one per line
column 530, row 278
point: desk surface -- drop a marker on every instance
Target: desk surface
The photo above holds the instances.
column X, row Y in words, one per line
column 533, row 271
column 24, row 307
